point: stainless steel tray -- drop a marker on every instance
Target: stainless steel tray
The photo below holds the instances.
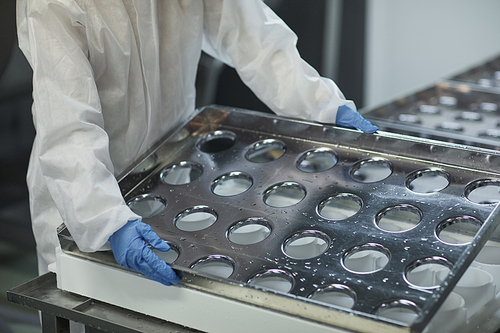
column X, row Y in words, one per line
column 449, row 111
column 281, row 213
column 486, row 76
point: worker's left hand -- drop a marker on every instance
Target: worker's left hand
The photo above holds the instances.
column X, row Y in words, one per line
column 347, row 117
column 131, row 251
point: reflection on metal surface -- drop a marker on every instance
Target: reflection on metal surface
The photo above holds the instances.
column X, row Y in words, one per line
column 146, row 165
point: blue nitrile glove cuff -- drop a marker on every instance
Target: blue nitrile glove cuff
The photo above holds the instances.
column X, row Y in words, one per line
column 347, row 117
column 131, row 251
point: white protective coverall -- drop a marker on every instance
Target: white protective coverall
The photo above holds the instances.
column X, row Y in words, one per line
column 110, row 77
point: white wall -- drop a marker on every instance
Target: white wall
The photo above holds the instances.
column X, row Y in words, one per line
column 413, row 43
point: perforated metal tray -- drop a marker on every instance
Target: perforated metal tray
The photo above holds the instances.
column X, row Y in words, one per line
column 282, row 213
column 449, row 111
column 486, row 76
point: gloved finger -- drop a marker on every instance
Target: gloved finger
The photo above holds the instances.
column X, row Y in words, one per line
column 152, row 237
column 364, row 125
column 155, row 268
column 347, row 117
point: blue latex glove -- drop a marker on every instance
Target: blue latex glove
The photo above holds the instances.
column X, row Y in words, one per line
column 131, row 251
column 347, row 117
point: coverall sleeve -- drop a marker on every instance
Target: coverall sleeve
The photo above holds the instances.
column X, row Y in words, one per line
column 250, row 37
column 71, row 142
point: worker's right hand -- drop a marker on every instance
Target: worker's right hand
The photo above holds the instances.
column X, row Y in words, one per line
column 131, row 251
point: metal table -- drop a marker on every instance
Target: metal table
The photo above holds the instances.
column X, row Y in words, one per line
column 58, row 307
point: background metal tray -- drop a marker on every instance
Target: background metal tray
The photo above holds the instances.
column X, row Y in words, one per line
column 449, row 111
column 486, row 75
column 317, row 198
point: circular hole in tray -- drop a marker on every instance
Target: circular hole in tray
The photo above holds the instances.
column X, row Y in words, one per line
column 491, row 133
column 232, row 183
column 216, row 141
column 147, row 205
column 409, row 118
column 335, row 294
column 423, row 273
column 488, row 107
column 215, row 265
column 195, row 218
column 284, row 194
column 427, row 181
column 398, row 218
column 485, row 191
column 265, row 151
column 340, row 206
column 469, row 116
column 181, row 173
column 458, row 230
column 449, row 101
column 306, row 244
column 249, row 231
column 372, row 170
column 169, row 256
column 366, row 258
column 450, row 126
column 485, row 82
column 274, row 279
column 429, row 109
column 403, row 311
column 317, row 160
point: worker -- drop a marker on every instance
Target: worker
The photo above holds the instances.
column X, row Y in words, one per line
column 110, row 78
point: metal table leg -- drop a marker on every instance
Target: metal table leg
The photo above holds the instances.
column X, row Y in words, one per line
column 54, row 324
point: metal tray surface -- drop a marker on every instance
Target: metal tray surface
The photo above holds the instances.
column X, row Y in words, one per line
column 313, row 226
column 486, row 75
column 449, row 111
